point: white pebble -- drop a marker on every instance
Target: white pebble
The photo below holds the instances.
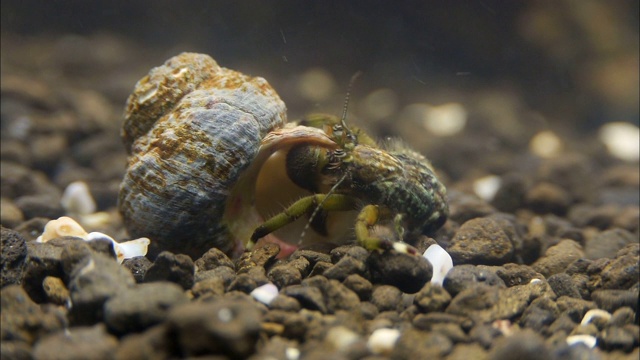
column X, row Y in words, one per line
column 622, row 139
column 379, row 104
column 77, row 199
column 486, row 187
column 588, row 340
column 595, row 313
column 446, row 119
column 316, row 85
column 292, row 353
column 383, row 340
column 440, row 261
column 535, row 281
column 546, row 144
column 265, row 293
column 341, row 338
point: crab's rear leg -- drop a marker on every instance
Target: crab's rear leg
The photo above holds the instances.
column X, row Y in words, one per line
column 306, row 205
column 367, row 218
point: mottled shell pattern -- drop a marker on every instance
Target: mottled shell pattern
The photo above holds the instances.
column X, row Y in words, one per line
column 191, row 129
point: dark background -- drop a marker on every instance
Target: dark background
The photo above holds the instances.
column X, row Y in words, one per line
column 404, row 45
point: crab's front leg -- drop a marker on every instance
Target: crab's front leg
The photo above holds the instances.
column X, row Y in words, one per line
column 306, row 205
column 366, row 220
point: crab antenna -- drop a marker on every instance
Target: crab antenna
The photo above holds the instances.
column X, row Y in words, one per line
column 315, row 211
column 346, row 100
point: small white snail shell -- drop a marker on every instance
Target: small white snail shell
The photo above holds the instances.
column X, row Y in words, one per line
column 191, row 129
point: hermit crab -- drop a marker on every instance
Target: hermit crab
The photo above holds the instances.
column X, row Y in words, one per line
column 213, row 163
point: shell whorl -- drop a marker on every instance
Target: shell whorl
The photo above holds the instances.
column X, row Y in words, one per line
column 191, row 128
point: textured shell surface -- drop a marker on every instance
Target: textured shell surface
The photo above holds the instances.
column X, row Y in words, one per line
column 191, row 129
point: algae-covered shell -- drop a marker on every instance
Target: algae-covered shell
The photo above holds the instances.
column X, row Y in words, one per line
column 191, row 129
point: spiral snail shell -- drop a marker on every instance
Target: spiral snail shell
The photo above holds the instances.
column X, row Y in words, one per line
column 191, row 128
column 213, row 163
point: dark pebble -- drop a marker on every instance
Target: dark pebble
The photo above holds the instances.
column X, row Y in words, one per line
column 546, row 197
column 43, row 259
column 213, row 259
column 244, row 283
column 77, row 343
column 541, row 313
column 284, row 275
column 39, row 206
column 558, row 257
column 523, row 345
column 607, row 243
column 619, row 273
column 309, row 297
column 464, row 207
column 511, row 194
column 346, row 266
column 32, row 228
column 564, row 323
column 336, row 295
column 154, row 343
column 319, row 268
column 210, row 287
column 407, row 272
column 481, row 241
column 575, row 308
column 432, row 298
column 623, row 316
column 361, row 286
column 91, row 284
column 25, row 321
column 223, row 273
column 612, row 300
column 484, row 334
column 263, row 256
column 355, row 251
column 13, row 255
column 138, row 267
column 516, row 274
column 464, row 276
column 142, row 306
column 475, row 302
column 312, row 256
column 386, row 298
column 614, row 338
column 285, row 303
column 103, row 246
column 563, row 285
column 416, row 344
column 171, row 267
column 224, row 327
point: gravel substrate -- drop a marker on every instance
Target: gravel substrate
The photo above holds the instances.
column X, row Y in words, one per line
column 557, row 240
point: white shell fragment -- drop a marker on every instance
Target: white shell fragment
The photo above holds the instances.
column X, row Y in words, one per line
column 341, row 338
column 66, row 226
column 486, row 187
column 383, row 340
column 445, row 120
column 441, row 262
column 546, row 144
column 77, row 199
column 265, row 293
column 622, row 139
column 595, row 313
column 587, row 340
column 63, row 226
